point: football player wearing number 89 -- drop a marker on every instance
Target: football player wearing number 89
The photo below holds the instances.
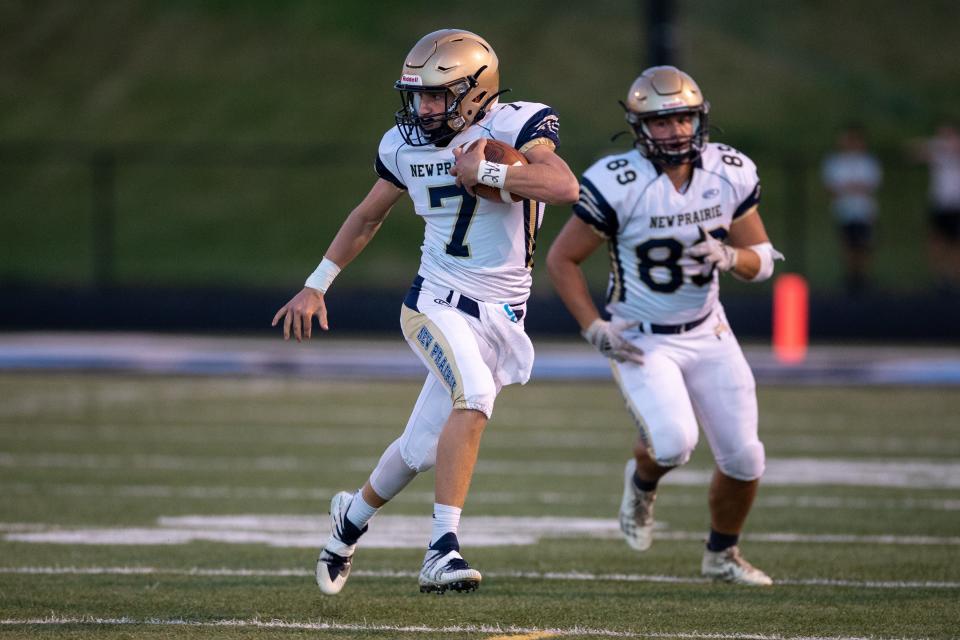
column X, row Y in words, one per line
column 464, row 314
column 676, row 212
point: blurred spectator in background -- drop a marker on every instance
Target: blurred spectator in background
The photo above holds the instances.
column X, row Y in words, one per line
column 942, row 153
column 852, row 175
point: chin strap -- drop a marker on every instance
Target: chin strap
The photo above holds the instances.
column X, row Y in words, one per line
column 614, row 137
column 482, row 111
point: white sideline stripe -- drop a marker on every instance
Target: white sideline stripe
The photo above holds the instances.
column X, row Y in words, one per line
column 340, row 626
column 330, row 430
column 892, row 472
column 396, row 532
column 574, row 576
column 222, row 492
column 879, row 472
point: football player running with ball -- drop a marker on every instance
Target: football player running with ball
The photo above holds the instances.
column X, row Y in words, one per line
column 675, row 212
column 464, row 314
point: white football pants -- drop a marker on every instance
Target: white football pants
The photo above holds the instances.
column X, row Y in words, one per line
column 701, row 374
column 469, row 359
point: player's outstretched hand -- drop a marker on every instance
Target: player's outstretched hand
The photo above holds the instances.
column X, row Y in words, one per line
column 608, row 338
column 298, row 314
column 713, row 252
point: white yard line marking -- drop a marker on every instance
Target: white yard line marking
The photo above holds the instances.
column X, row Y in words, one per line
column 333, row 428
column 232, row 492
column 826, row 502
column 323, row 436
column 890, row 472
column 189, row 492
column 221, row 492
column 473, row 629
column 571, row 576
column 217, row 464
column 396, row 531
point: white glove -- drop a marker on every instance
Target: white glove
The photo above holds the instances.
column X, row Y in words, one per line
column 713, row 253
column 608, row 338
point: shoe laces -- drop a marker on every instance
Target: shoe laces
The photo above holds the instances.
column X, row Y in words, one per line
column 732, row 554
column 334, row 560
column 642, row 501
column 457, row 564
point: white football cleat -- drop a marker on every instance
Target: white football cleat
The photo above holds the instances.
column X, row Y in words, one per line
column 636, row 511
column 729, row 566
column 444, row 568
column 333, row 565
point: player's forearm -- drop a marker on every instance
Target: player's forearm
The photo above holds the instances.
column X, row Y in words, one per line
column 552, row 183
column 748, row 263
column 755, row 254
column 354, row 235
column 571, row 286
column 759, row 260
column 363, row 223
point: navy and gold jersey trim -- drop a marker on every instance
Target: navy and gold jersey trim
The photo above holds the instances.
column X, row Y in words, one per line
column 752, row 200
column 543, row 124
column 616, row 291
column 531, row 213
column 385, row 173
column 594, row 209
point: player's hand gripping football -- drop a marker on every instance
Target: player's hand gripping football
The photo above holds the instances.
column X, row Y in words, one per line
column 298, row 314
column 467, row 161
column 608, row 338
column 713, row 253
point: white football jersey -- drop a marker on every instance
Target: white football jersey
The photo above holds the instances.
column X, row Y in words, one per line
column 648, row 224
column 476, row 246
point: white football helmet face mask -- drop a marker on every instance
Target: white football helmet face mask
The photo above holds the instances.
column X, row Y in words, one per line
column 457, row 64
column 664, row 91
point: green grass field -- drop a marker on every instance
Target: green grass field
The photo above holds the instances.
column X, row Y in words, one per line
column 857, row 522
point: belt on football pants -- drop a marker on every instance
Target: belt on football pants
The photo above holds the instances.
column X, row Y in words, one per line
column 645, row 327
column 464, row 303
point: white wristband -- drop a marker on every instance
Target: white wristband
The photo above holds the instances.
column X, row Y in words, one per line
column 492, row 174
column 768, row 255
column 323, row 276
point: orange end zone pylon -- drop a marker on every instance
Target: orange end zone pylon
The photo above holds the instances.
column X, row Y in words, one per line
column 791, row 311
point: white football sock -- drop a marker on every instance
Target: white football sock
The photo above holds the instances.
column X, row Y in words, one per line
column 445, row 520
column 360, row 512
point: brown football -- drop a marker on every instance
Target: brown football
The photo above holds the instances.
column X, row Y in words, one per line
column 501, row 153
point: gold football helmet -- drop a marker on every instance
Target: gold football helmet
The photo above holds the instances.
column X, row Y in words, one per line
column 460, row 65
column 661, row 91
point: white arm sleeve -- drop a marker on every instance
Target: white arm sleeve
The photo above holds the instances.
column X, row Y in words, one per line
column 768, row 255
